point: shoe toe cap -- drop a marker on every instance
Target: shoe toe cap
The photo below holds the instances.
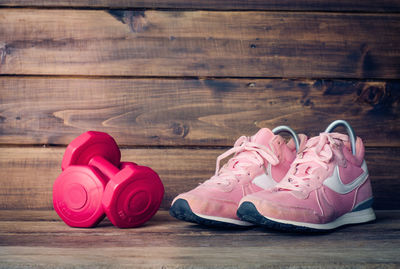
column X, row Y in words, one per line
column 280, row 207
column 209, row 206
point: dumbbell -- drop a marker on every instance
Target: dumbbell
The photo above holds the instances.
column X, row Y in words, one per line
column 94, row 183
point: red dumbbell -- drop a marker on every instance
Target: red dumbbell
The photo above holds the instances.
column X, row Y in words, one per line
column 94, row 183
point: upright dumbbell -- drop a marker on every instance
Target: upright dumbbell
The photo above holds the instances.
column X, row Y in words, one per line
column 94, row 183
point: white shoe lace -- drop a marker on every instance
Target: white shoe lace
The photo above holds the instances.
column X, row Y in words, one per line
column 317, row 153
column 247, row 154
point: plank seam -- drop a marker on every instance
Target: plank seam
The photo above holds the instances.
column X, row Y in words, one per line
column 50, row 76
column 122, row 146
column 145, row 8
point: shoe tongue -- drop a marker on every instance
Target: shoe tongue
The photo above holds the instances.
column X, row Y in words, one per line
column 263, row 137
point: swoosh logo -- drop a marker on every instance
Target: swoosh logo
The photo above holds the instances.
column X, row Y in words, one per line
column 265, row 180
column 334, row 182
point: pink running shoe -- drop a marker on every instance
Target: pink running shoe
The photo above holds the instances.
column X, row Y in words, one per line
column 259, row 162
column 327, row 186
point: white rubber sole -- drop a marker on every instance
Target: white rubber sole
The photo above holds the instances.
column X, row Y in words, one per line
column 227, row 220
column 361, row 216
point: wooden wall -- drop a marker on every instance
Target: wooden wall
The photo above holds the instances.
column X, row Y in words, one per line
column 176, row 82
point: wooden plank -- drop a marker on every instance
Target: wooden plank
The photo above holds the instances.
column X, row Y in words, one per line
column 199, row 43
column 191, row 112
column 166, row 242
column 27, row 174
column 199, row 258
column 292, row 5
column 163, row 230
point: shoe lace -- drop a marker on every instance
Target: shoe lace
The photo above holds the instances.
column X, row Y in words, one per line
column 318, row 152
column 247, row 154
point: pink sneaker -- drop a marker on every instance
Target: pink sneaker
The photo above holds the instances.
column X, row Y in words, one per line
column 327, row 186
column 259, row 162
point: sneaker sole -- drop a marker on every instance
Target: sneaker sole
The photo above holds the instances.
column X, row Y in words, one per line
column 248, row 212
column 182, row 211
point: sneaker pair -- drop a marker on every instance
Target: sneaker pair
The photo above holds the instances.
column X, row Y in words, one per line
column 315, row 184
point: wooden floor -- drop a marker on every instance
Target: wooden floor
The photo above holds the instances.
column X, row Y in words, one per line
column 39, row 239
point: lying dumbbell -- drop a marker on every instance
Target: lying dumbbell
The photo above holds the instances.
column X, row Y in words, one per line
column 94, row 183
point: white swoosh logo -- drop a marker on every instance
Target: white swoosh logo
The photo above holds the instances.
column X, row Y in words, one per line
column 334, row 182
column 265, row 180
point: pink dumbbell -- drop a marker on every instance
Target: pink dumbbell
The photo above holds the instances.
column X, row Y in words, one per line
column 94, row 183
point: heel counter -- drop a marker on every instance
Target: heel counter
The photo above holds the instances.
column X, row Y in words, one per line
column 364, row 195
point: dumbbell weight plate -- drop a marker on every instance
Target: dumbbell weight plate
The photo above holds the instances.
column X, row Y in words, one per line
column 133, row 196
column 83, row 148
column 125, row 164
column 77, row 196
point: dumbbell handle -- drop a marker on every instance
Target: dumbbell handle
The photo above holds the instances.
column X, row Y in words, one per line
column 107, row 168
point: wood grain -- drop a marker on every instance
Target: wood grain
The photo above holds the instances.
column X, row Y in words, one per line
column 167, row 243
column 199, row 43
column 192, row 112
column 27, row 174
column 176, row 86
column 286, row 5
